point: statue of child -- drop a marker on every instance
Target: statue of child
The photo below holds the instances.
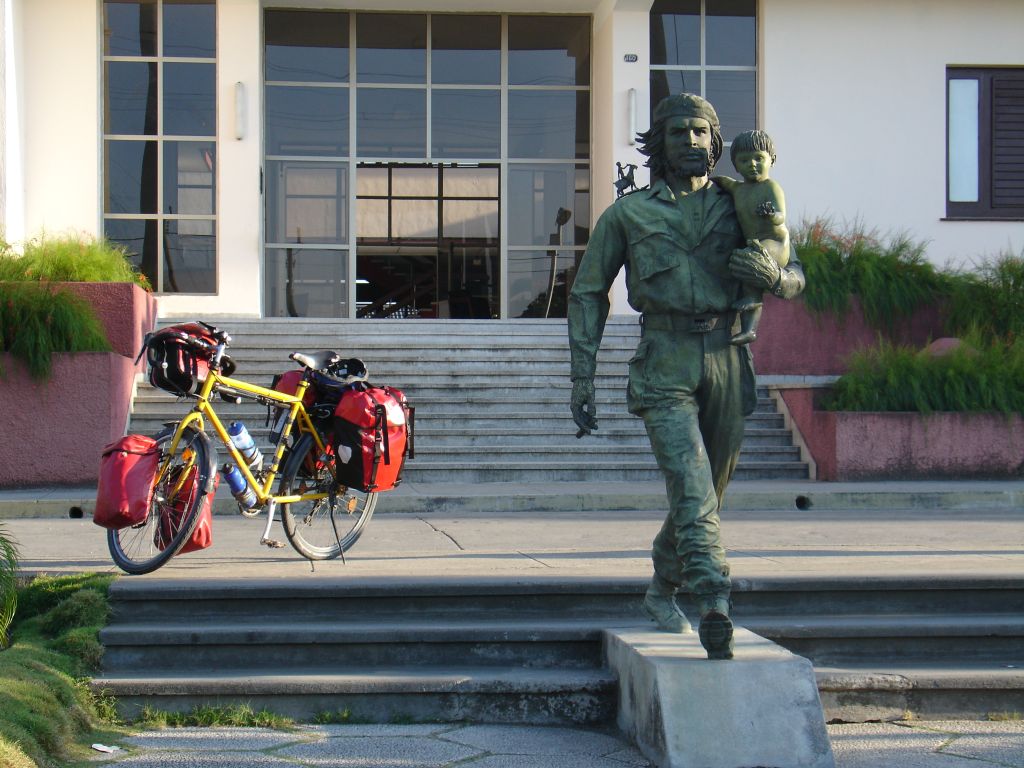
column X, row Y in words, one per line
column 761, row 210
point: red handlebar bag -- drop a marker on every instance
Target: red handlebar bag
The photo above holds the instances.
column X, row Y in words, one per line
column 128, row 470
column 372, row 427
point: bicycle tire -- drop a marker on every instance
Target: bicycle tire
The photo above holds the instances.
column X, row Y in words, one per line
column 308, row 525
column 173, row 512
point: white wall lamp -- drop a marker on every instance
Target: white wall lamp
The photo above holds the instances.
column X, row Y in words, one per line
column 240, row 111
column 632, row 116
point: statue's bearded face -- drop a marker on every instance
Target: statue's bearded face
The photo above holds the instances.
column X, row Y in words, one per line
column 687, row 146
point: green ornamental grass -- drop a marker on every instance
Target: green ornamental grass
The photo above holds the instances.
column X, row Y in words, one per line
column 981, row 375
column 37, row 320
column 69, row 258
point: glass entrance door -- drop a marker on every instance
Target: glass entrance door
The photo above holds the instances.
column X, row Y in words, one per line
column 427, row 241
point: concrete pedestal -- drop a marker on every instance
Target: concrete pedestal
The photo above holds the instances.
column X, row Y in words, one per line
column 759, row 710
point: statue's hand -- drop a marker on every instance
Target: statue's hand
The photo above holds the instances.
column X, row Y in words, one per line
column 584, row 406
column 754, row 266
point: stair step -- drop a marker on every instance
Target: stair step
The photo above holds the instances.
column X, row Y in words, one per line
column 488, row 695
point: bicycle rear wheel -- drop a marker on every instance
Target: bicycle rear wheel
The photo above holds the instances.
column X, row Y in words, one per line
column 174, row 511
column 321, row 529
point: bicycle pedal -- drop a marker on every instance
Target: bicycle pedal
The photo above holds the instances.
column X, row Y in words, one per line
column 272, row 543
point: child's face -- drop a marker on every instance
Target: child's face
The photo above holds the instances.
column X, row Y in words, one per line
column 754, row 165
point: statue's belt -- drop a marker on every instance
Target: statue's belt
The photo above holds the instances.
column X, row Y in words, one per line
column 678, row 321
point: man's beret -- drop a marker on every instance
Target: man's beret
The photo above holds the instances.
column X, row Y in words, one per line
column 686, row 105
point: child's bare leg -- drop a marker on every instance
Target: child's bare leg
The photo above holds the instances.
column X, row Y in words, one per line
column 749, row 306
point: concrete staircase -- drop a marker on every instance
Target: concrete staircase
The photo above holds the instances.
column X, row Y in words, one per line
column 491, row 398
column 532, row 652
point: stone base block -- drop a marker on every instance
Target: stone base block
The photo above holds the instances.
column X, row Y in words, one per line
column 759, row 710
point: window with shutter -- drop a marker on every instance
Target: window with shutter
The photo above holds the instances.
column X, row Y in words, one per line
column 985, row 143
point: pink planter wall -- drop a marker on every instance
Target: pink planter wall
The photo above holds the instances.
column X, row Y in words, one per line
column 54, row 430
column 126, row 311
column 794, row 341
column 861, row 446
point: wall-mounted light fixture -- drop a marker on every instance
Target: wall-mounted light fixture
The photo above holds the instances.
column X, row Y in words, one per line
column 632, row 116
column 240, row 111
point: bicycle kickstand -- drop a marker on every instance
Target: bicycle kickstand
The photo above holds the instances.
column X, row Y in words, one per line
column 266, row 540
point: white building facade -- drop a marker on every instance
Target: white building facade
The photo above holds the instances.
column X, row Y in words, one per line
column 425, row 158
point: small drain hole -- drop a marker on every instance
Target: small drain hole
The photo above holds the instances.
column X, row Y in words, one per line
column 75, row 513
column 803, row 503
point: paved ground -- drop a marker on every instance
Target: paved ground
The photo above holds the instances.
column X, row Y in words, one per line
column 868, row 745
column 909, row 529
column 850, row 529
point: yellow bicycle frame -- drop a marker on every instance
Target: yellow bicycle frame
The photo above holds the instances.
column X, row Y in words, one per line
column 203, row 409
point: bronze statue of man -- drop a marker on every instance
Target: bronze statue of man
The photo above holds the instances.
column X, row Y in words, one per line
column 686, row 263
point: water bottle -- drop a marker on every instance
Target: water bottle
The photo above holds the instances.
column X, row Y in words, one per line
column 244, row 443
column 240, row 489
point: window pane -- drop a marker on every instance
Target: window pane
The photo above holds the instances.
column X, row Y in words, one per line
column 391, row 122
column 733, row 96
column 372, row 219
column 548, row 204
column 307, row 46
column 306, row 121
column 464, row 219
column 190, row 257
column 465, row 50
column 392, row 48
column 414, row 182
column 130, row 180
column 665, row 83
column 415, row 219
column 372, row 181
column 139, row 237
column 549, row 50
column 963, row 141
column 470, row 182
column 305, row 282
column 548, row 124
column 675, row 32
column 129, row 28
column 731, row 32
column 307, row 202
column 190, row 28
column 189, row 100
column 189, row 177
column 131, row 103
column 466, row 123
column 539, row 282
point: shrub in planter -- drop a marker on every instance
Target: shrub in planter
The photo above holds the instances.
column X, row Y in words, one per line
column 978, row 375
column 36, row 321
column 69, row 258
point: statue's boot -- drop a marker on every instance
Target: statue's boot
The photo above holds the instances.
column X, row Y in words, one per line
column 660, row 606
column 715, row 630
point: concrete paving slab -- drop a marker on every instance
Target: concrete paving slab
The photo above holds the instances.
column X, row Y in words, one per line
column 760, row 544
column 421, row 751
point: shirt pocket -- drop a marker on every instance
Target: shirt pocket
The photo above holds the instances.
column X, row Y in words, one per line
column 652, row 250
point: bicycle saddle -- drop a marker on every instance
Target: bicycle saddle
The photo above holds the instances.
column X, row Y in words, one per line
column 318, row 361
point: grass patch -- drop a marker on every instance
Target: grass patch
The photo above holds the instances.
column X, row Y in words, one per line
column 37, row 320
column 979, row 376
column 69, row 258
column 1002, row 717
column 990, row 300
column 47, row 711
column 232, row 716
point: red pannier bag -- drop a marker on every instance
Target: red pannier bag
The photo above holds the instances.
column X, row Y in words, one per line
column 128, row 470
column 373, row 433
column 170, row 517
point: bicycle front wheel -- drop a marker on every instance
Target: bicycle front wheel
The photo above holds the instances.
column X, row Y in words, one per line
column 174, row 510
column 321, row 529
